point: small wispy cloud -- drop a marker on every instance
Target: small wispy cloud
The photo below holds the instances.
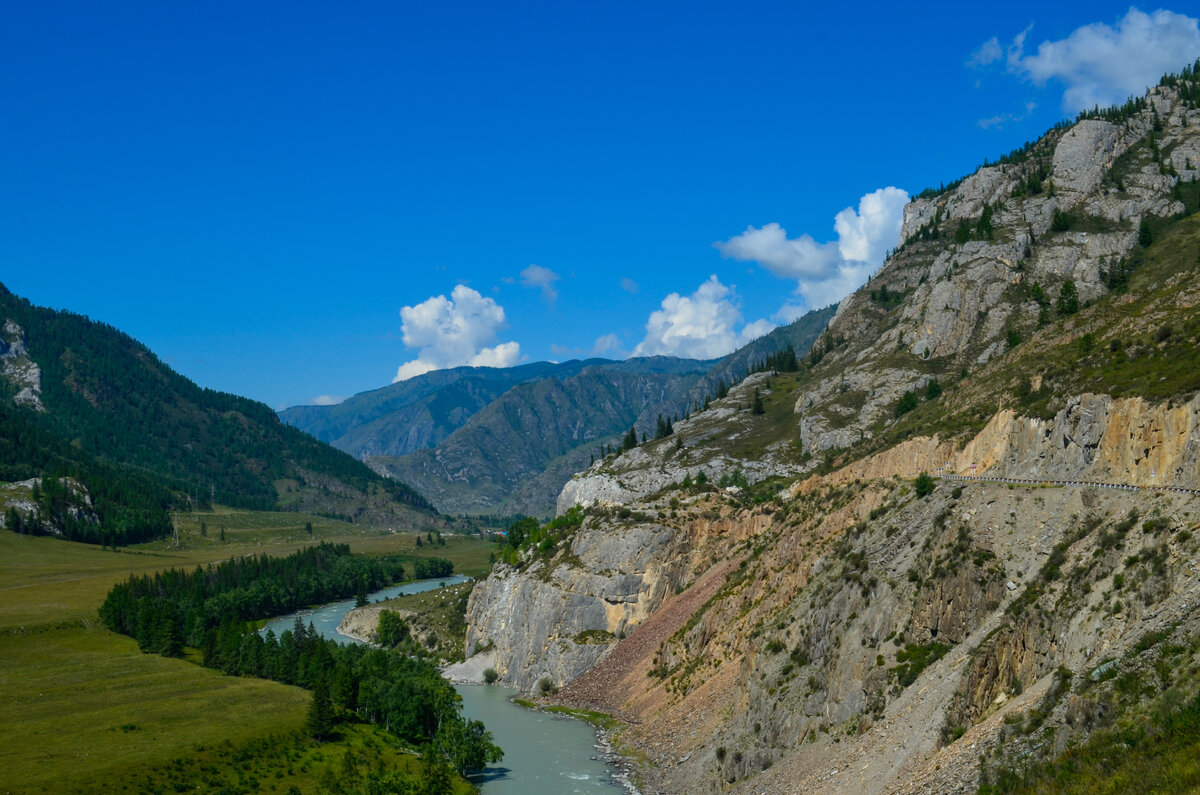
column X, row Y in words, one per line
column 607, row 343
column 543, row 279
column 326, row 400
column 1002, row 119
column 988, row 53
column 628, row 285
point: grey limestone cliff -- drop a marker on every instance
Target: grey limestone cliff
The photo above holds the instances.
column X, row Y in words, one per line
column 966, row 284
column 557, row 618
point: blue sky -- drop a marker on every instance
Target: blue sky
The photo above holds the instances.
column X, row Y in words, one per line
column 277, row 197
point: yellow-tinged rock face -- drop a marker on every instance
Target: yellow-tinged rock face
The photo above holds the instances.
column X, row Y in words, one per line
column 1122, row 441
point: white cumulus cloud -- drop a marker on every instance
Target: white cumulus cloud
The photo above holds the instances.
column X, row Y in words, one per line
column 454, row 331
column 826, row 272
column 326, row 400
column 797, row 258
column 542, row 278
column 1103, row 65
column 704, row 325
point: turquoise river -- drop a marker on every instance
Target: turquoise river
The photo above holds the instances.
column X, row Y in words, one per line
column 544, row 754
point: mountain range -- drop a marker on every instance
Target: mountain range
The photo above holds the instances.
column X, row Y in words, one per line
column 480, row 440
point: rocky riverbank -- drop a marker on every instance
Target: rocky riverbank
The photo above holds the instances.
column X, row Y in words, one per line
column 362, row 623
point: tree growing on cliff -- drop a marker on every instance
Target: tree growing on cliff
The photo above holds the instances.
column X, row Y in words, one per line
column 1068, row 299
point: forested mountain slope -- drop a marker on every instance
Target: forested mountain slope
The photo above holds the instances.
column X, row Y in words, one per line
column 79, row 398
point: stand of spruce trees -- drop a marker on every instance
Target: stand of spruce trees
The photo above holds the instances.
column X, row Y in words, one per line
column 209, row 607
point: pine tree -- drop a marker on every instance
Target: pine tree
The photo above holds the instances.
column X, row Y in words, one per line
column 907, row 402
column 320, row 711
column 438, row 778
column 166, row 634
column 661, row 430
column 984, row 227
column 1068, row 299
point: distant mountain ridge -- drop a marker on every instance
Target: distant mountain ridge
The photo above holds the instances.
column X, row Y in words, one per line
column 488, row 440
column 420, row 412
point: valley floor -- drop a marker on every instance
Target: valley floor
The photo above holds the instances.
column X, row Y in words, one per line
column 86, row 711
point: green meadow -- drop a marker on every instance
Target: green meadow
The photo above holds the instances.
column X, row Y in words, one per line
column 87, row 711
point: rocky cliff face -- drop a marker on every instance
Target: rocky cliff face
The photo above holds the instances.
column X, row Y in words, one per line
column 636, row 473
column 856, row 630
column 557, row 618
column 850, row 588
column 1096, row 438
column 1069, row 208
column 73, row 504
column 18, row 369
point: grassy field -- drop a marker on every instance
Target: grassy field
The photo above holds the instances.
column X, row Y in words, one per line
column 48, row 581
column 85, row 707
column 86, row 711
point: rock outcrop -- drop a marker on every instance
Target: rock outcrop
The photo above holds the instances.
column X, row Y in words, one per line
column 74, row 506
column 20, row 370
column 1096, row 438
column 557, row 618
column 649, row 468
column 1068, row 209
